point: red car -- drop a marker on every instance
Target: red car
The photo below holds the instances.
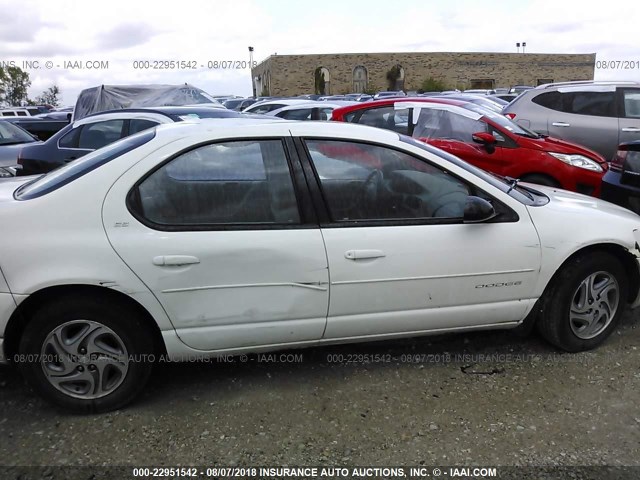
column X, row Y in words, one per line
column 485, row 139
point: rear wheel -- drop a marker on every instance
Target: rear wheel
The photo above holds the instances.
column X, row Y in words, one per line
column 584, row 302
column 86, row 355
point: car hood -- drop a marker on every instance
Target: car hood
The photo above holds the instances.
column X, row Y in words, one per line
column 579, row 220
column 556, row 145
column 579, row 203
column 9, row 185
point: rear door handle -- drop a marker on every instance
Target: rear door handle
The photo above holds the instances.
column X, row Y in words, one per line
column 561, row 124
column 175, row 260
column 631, row 129
column 69, row 159
column 363, row 254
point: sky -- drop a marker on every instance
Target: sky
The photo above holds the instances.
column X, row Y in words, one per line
column 118, row 37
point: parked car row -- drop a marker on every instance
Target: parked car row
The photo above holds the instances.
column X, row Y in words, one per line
column 596, row 115
column 603, row 116
column 485, row 139
column 597, row 119
column 98, row 130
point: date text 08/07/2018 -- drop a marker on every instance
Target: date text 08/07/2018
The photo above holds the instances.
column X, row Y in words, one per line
column 192, row 64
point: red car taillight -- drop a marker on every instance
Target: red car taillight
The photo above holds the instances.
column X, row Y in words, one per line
column 617, row 164
column 510, row 116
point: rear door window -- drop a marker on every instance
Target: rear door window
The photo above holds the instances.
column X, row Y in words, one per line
column 579, row 102
column 97, row 135
column 228, row 183
column 631, row 101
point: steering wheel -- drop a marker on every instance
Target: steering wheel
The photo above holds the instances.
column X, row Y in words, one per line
column 372, row 187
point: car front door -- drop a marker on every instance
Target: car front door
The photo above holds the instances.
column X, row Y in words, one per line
column 217, row 236
column 630, row 118
column 401, row 259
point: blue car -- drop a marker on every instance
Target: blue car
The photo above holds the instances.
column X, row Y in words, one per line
column 100, row 129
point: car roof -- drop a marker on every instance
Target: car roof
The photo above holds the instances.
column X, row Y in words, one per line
column 385, row 102
column 163, row 110
column 585, row 83
column 266, row 126
column 284, row 101
column 319, row 104
column 170, row 112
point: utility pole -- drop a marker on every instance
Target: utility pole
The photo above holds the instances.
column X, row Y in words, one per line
column 253, row 85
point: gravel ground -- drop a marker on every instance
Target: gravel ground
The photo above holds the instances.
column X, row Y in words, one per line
column 474, row 399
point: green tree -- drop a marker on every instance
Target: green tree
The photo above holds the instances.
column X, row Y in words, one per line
column 3, row 80
column 433, row 85
column 14, row 83
column 49, row 96
column 393, row 75
column 320, row 82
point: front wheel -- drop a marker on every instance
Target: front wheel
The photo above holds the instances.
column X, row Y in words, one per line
column 86, row 355
column 584, row 302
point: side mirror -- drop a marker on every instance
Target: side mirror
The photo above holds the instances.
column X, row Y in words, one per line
column 485, row 139
column 477, row 210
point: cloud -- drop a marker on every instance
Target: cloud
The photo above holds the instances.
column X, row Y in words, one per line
column 125, row 36
column 124, row 31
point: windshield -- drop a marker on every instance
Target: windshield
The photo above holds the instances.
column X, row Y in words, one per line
column 11, row 134
column 501, row 120
column 76, row 169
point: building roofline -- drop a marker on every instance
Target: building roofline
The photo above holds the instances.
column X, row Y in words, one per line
column 514, row 54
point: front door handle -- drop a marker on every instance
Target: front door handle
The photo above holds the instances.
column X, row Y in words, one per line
column 561, row 124
column 631, row 129
column 175, row 260
column 363, row 254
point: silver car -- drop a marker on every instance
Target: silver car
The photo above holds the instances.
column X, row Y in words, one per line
column 598, row 115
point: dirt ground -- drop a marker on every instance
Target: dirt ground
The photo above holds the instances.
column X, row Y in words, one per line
column 468, row 399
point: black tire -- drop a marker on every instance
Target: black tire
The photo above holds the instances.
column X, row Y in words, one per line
column 109, row 323
column 558, row 323
column 539, row 179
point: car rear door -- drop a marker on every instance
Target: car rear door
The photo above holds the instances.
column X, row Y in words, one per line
column 587, row 116
column 217, row 235
column 630, row 116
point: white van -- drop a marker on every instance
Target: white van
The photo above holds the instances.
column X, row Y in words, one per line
column 19, row 111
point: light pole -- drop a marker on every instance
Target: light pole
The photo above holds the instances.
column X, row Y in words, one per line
column 253, row 85
column 518, row 46
column 524, row 44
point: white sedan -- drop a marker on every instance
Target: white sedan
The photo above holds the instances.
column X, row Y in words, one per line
column 227, row 237
column 309, row 111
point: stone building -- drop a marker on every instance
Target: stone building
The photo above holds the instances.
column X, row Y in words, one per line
column 289, row 75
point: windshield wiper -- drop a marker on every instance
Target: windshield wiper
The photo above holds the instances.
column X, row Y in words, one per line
column 513, row 183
